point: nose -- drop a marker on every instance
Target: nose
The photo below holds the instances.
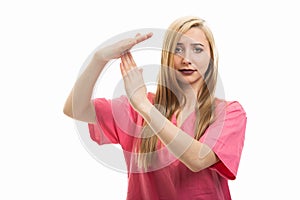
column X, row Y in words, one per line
column 186, row 60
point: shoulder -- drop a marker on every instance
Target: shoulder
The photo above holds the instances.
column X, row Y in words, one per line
column 229, row 107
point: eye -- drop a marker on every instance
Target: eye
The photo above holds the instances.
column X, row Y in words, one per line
column 197, row 50
column 179, row 50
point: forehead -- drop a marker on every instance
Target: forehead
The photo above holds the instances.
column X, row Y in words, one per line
column 194, row 35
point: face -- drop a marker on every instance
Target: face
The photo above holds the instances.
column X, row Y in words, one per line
column 191, row 59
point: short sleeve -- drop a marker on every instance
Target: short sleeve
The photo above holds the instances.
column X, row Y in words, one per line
column 116, row 122
column 226, row 137
column 113, row 120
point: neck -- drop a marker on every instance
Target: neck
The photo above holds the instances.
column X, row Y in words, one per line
column 191, row 99
column 191, row 96
column 189, row 107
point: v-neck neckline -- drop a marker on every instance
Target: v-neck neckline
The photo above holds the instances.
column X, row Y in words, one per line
column 174, row 119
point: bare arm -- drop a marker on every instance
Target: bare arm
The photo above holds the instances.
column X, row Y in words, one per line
column 78, row 104
column 194, row 154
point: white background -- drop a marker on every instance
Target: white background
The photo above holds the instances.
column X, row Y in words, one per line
column 43, row 45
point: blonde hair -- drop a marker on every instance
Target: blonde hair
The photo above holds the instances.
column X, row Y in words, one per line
column 166, row 101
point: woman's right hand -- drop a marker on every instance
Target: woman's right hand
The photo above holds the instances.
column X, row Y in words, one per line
column 115, row 50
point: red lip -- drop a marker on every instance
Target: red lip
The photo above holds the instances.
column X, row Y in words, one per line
column 187, row 71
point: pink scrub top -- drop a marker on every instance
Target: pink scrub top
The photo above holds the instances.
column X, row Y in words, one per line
column 119, row 123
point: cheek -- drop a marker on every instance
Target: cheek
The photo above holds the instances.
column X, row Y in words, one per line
column 177, row 61
column 202, row 62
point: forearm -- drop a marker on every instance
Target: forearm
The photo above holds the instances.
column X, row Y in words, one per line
column 194, row 154
column 79, row 99
column 78, row 104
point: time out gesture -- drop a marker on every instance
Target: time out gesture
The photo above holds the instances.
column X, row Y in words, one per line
column 78, row 104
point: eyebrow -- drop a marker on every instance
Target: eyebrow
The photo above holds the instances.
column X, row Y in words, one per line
column 193, row 44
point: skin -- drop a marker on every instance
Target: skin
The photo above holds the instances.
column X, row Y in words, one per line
column 192, row 52
column 196, row 155
column 78, row 104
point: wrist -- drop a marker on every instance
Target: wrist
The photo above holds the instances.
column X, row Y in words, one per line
column 144, row 107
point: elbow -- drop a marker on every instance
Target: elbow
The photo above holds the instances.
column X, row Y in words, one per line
column 68, row 107
column 198, row 164
column 195, row 168
column 194, row 165
column 67, row 110
column 67, row 113
column 84, row 115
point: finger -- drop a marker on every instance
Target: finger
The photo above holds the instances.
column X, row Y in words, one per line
column 122, row 60
column 129, row 43
column 126, row 62
column 131, row 59
column 123, row 72
column 141, row 38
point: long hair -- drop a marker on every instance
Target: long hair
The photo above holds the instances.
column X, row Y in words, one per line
column 167, row 100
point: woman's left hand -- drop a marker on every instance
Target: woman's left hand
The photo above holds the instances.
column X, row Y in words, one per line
column 133, row 80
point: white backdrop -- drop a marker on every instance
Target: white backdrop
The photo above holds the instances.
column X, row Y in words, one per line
column 43, row 45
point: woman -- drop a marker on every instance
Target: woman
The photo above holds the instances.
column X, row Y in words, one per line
column 179, row 143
